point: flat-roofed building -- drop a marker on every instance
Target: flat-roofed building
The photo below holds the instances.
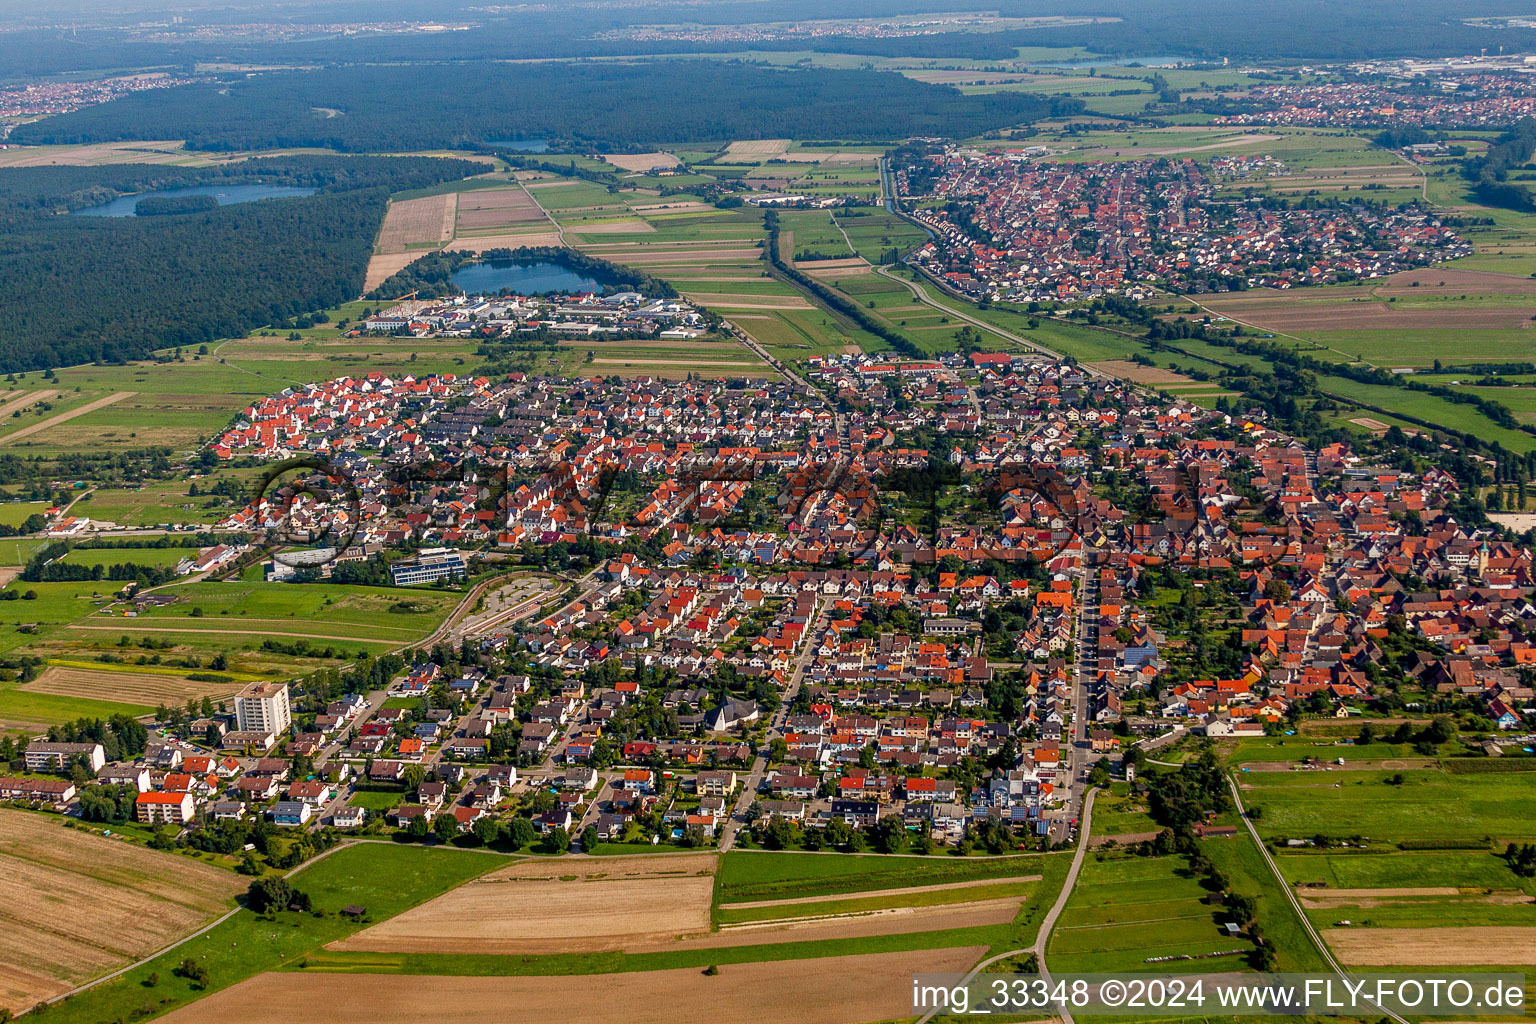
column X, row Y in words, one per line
column 263, row 707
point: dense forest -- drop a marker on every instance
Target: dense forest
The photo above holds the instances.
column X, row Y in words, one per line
column 1233, row 28
column 1491, row 170
column 599, row 106
column 83, row 289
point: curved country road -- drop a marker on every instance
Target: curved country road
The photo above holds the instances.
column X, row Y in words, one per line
column 1043, row 936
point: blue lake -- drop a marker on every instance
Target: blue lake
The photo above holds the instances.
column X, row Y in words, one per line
column 227, row 195
column 525, row 277
column 1110, row 62
column 521, row 145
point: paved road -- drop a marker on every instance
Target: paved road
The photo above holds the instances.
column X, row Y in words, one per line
column 754, row 778
column 1043, row 936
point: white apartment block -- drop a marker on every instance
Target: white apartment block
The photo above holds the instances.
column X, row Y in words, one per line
column 263, row 707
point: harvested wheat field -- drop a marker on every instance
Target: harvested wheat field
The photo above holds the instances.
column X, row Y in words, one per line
column 556, row 907
column 382, row 267
column 1286, row 312
column 894, row 921
column 78, row 905
column 1138, row 374
column 756, row 149
column 641, row 162
column 147, row 688
column 417, row 222
column 1448, row 947
column 836, row 990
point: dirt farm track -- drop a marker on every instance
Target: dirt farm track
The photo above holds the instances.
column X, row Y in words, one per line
column 836, row 990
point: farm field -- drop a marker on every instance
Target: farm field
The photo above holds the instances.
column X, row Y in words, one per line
column 181, row 403
column 309, row 627
column 1125, row 909
column 827, row 991
column 1427, row 805
column 1324, row 872
column 749, row 876
column 486, row 211
column 1433, row 946
column 139, row 900
column 872, row 900
column 592, row 905
column 383, row 877
column 418, row 223
column 118, row 684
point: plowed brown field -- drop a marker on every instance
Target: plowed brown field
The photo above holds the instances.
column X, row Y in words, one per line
column 836, row 990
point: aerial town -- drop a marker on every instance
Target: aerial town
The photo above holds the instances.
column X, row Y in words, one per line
column 596, row 511
column 1007, row 226
column 750, row 636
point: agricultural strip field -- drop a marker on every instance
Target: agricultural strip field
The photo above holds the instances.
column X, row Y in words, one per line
column 382, row 877
column 138, row 900
column 1433, row 946
column 641, row 162
column 826, row 991
column 1325, row 319
column 598, row 904
column 1125, row 910
column 488, row 210
column 144, row 688
column 749, row 875
column 418, row 223
column 1428, row 804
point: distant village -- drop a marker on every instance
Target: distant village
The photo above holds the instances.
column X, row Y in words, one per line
column 1009, row 228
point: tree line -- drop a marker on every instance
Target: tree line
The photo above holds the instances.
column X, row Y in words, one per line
column 110, row 289
column 598, row 106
